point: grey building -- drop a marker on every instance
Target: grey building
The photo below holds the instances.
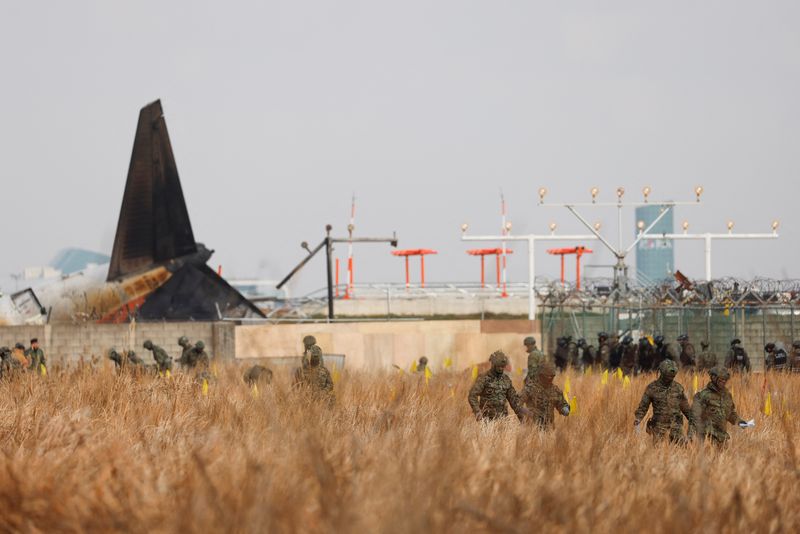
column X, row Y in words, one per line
column 655, row 258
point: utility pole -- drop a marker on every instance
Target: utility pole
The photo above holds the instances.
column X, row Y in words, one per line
column 328, row 243
column 531, row 239
column 620, row 251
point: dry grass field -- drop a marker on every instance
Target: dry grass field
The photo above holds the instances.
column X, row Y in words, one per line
column 84, row 449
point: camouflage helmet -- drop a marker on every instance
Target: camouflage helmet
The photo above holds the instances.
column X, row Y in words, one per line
column 4, row 350
column 667, row 366
column 769, row 347
column 19, row 345
column 147, row 344
column 658, row 340
column 547, row 369
column 183, row 341
column 199, row 345
column 719, row 372
column 309, row 341
column 529, row 341
column 736, row 341
column 498, row 357
column 423, row 359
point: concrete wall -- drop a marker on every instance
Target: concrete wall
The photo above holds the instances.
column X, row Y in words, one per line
column 71, row 343
column 378, row 345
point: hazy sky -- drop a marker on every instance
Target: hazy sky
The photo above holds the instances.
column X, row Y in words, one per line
column 279, row 111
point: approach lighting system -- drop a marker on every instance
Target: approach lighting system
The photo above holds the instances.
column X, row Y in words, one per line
column 698, row 191
column 646, row 192
column 594, row 192
column 542, row 194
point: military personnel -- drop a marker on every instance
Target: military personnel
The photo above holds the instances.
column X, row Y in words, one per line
column 737, row 359
column 185, row 358
column 422, row 364
column 776, row 358
column 572, row 351
column 629, row 358
column 687, row 354
column 125, row 358
column 258, row 374
column 316, row 376
column 561, row 356
column 646, row 354
column 35, row 355
column 535, row 356
column 615, row 352
column 707, row 358
column 19, row 355
column 541, row 397
column 794, row 357
column 308, row 342
column 713, row 407
column 663, row 351
column 8, row 363
column 588, row 353
column 670, row 405
column 200, row 357
column 603, row 350
column 492, row 389
column 163, row 360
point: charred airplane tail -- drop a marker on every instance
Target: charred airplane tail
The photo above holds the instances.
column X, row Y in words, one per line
column 154, row 231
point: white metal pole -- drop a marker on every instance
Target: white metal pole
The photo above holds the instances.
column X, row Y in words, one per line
column 708, row 257
column 531, row 278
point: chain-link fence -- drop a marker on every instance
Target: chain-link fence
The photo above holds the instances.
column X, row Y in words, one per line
column 754, row 325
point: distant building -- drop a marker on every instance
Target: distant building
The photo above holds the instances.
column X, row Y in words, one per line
column 655, row 258
column 256, row 289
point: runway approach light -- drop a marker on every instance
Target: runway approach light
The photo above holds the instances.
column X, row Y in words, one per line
column 646, row 192
column 304, row 246
column 350, row 229
column 698, row 191
column 685, row 226
column 553, row 227
column 464, row 228
column 542, row 194
column 730, row 226
column 620, row 193
column 508, row 226
column 640, row 225
column 597, row 226
column 594, row 192
column 775, row 224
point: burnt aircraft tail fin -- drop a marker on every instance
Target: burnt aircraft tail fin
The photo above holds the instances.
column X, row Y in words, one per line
column 154, row 224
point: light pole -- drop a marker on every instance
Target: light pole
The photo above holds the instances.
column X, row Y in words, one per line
column 619, row 251
column 531, row 239
column 708, row 238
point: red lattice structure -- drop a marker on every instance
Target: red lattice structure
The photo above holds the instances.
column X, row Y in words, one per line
column 421, row 252
column 497, row 253
column 578, row 251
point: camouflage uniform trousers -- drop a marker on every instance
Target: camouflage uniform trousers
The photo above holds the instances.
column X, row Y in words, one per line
column 318, row 380
column 541, row 400
column 669, row 406
column 489, row 394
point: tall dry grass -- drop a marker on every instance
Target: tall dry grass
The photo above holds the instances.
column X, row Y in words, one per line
column 84, row 449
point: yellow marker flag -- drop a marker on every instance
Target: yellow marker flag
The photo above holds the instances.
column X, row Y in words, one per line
column 694, row 383
column 768, row 404
column 567, row 389
column 392, row 394
column 727, row 311
column 428, row 375
column 588, row 371
column 255, row 391
column 573, row 406
column 519, row 371
column 168, row 374
column 604, row 377
column 619, row 373
column 205, row 387
column 335, row 375
column 452, row 392
column 413, row 368
column 626, row 382
column 448, row 363
column 474, row 372
column 42, row 369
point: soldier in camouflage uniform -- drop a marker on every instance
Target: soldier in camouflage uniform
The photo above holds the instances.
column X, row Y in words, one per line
column 422, row 364
column 541, row 397
column 200, row 357
column 646, row 354
column 794, row 357
column 258, row 374
column 186, row 352
column 603, row 350
column 663, row 351
column 8, row 363
column 687, row 354
column 737, row 359
column 308, row 342
column 35, row 355
column 561, row 357
column 124, row 358
column 163, row 360
column 713, row 407
column 535, row 356
column 670, row 405
column 492, row 389
column 707, row 358
column 588, row 353
column 316, row 376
